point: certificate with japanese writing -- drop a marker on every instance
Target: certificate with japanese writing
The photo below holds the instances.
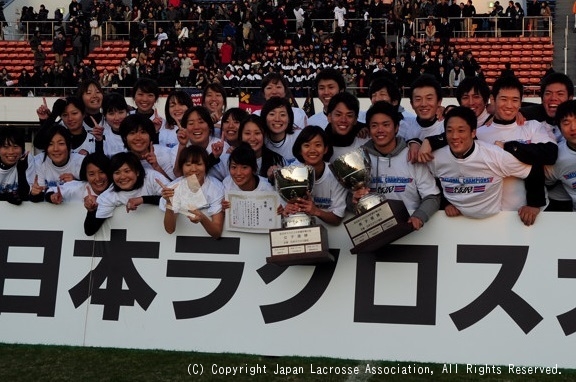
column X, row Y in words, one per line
column 253, row 211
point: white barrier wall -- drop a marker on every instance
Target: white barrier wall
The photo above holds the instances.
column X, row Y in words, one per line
column 461, row 291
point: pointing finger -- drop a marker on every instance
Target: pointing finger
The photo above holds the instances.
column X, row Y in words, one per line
column 44, row 102
column 89, row 191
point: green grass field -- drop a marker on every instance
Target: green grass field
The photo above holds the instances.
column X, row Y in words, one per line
column 65, row 363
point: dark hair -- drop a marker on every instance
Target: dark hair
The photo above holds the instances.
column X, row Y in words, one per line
column 331, row 74
column 147, row 85
column 276, row 102
column 182, row 98
column 269, row 157
column 119, row 159
column 306, row 135
column 13, row 135
column 85, row 84
column 426, row 80
column 347, row 99
column 99, row 160
column 114, row 102
column 53, row 131
column 557, row 78
column 134, row 122
column 244, row 155
column 507, row 82
column 275, row 77
column 473, row 83
column 218, row 88
column 75, row 101
column 462, row 112
column 194, row 154
column 384, row 83
column 203, row 113
column 565, row 109
column 237, row 113
column 383, row 107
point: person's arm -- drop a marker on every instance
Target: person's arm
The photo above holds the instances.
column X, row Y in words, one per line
column 428, row 207
column 534, row 185
column 213, row 225
column 536, row 154
column 91, row 223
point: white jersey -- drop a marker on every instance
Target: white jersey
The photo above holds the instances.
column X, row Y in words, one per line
column 167, row 136
column 318, row 119
column 328, row 194
column 9, row 177
column 89, row 145
column 564, row 170
column 514, row 195
column 164, row 159
column 284, row 148
column 212, row 189
column 413, row 127
column 341, row 150
column 263, row 185
column 112, row 141
column 398, row 179
column 74, row 191
column 49, row 174
column 110, row 199
column 474, row 184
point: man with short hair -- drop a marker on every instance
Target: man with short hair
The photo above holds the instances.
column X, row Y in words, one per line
column 471, row 172
column 329, row 82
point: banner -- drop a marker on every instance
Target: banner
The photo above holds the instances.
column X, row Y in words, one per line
column 483, row 292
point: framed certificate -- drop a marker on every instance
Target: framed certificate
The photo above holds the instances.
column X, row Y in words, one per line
column 252, row 211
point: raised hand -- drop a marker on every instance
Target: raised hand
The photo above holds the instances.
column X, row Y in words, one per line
column 90, row 200
column 56, row 197
column 97, row 130
column 157, row 120
column 217, row 149
column 43, row 112
column 36, row 189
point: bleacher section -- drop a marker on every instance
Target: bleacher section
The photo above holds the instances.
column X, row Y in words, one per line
column 529, row 56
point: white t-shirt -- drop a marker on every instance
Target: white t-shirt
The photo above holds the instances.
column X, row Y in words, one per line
column 167, row 136
column 263, row 185
column 9, row 177
column 474, row 184
column 213, row 191
column 112, row 142
column 339, row 13
column 284, row 148
column 110, row 199
column 74, row 191
column 514, row 195
column 329, row 195
column 49, row 173
column 564, row 170
column 164, row 159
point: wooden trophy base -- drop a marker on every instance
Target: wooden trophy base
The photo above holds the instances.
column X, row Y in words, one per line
column 381, row 225
column 299, row 246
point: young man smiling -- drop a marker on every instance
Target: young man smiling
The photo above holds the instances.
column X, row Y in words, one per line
column 329, row 82
column 392, row 175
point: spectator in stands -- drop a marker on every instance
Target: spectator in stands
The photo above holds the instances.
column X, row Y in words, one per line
column 24, row 82
column 546, row 14
column 468, row 13
column 39, row 57
column 533, row 11
column 519, row 19
column 59, row 48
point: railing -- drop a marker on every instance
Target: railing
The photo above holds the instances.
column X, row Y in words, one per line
column 487, row 26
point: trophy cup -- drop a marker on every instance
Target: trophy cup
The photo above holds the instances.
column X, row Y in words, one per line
column 378, row 221
column 300, row 240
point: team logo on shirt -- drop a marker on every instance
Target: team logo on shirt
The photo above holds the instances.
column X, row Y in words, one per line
column 466, row 185
column 391, row 184
column 323, row 203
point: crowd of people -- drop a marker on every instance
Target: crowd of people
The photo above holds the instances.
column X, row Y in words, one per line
column 189, row 44
column 485, row 155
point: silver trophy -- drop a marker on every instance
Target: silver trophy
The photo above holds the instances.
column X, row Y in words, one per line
column 353, row 170
column 300, row 240
column 378, row 221
column 293, row 182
